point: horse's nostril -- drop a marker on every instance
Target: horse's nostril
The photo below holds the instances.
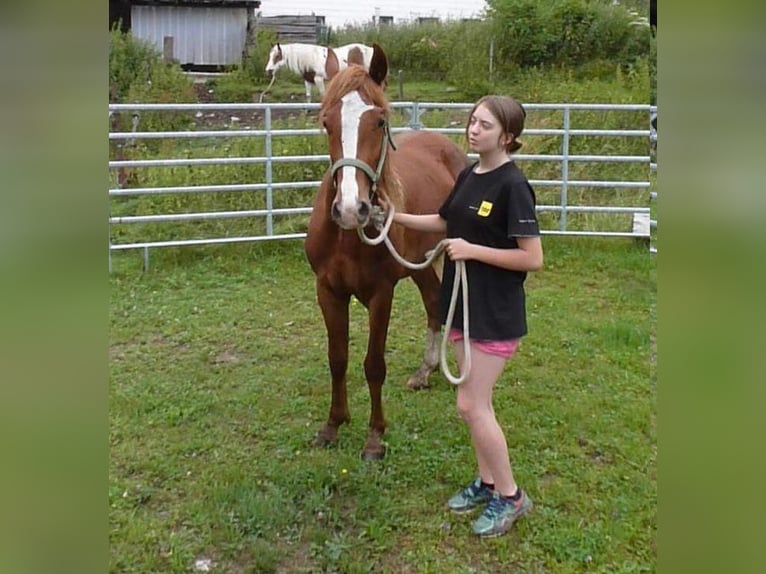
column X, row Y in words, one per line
column 335, row 211
column 364, row 210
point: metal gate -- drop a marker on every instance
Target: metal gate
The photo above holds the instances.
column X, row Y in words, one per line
column 566, row 169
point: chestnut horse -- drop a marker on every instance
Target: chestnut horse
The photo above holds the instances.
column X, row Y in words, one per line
column 414, row 172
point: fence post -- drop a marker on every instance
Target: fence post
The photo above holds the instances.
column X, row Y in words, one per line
column 146, row 259
column 491, row 59
column 652, row 168
column 269, row 182
column 167, row 48
column 564, row 171
column 414, row 123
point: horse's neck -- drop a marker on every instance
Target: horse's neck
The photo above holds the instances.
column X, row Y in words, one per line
column 391, row 187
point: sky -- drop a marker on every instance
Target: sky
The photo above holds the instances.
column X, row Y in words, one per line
column 339, row 13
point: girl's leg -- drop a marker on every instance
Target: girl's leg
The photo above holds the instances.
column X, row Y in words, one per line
column 474, row 404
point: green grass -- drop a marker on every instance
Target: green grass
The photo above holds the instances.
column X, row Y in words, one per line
column 219, row 381
column 600, row 82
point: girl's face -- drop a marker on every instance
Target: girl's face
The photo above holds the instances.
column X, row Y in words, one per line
column 485, row 133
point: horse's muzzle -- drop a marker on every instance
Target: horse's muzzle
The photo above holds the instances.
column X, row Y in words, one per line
column 351, row 218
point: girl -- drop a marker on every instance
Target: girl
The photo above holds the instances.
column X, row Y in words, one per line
column 491, row 224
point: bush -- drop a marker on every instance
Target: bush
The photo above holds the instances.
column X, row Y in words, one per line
column 255, row 63
column 236, row 86
column 137, row 73
column 565, row 32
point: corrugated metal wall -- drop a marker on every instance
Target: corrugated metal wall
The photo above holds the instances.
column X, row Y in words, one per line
column 201, row 36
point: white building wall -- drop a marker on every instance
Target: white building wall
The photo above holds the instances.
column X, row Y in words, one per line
column 339, row 13
column 201, row 36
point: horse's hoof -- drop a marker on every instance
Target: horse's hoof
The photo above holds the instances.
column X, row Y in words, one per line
column 371, row 455
column 418, row 383
column 326, row 437
column 374, row 448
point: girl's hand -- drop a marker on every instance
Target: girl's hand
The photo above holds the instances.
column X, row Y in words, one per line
column 459, row 249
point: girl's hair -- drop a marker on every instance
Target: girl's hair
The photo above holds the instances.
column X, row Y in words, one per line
column 508, row 112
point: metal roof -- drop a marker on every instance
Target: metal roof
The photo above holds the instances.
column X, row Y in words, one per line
column 201, row 3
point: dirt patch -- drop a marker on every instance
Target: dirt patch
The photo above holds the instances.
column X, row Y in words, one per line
column 226, row 357
column 238, row 119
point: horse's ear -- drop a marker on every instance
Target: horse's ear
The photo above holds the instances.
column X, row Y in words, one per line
column 378, row 65
column 331, row 66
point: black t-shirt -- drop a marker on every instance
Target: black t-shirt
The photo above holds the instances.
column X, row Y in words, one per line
column 492, row 209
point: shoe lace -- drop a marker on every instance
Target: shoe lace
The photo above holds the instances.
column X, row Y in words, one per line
column 473, row 490
column 495, row 507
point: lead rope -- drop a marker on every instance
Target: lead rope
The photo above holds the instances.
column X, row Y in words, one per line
column 266, row 91
column 460, row 280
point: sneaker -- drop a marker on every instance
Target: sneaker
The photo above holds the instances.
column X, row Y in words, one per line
column 470, row 497
column 500, row 515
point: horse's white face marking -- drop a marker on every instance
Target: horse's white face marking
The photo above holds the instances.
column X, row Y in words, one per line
column 273, row 64
column 351, row 110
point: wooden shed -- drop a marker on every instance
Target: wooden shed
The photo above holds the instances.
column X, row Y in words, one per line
column 198, row 34
column 303, row 28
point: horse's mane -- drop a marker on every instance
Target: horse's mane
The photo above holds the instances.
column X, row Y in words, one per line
column 356, row 78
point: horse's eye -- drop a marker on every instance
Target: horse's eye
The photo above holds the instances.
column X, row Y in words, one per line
column 381, row 122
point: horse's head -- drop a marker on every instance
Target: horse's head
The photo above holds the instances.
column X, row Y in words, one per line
column 275, row 60
column 355, row 115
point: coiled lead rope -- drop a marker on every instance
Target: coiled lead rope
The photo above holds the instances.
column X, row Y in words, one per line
column 460, row 280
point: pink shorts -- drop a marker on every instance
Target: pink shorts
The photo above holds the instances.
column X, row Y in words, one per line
column 505, row 349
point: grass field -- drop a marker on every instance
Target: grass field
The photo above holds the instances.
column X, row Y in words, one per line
column 219, row 381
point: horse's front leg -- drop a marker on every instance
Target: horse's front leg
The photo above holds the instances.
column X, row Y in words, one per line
column 335, row 312
column 320, row 85
column 307, row 85
column 379, row 314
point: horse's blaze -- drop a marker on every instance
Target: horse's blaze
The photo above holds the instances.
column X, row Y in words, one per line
column 348, row 204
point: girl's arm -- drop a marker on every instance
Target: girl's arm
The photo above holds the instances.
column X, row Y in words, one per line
column 427, row 222
column 527, row 257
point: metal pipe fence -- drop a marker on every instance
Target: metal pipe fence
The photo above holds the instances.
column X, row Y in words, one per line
column 550, row 121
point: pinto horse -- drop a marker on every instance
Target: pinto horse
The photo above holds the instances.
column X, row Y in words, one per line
column 353, row 54
column 313, row 62
column 413, row 172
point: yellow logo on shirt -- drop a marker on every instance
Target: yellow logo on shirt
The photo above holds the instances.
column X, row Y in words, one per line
column 485, row 208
